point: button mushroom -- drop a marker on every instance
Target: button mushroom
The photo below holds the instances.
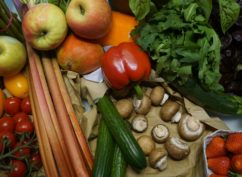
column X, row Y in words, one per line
column 146, row 143
column 190, row 128
column 142, row 106
column 177, row 148
column 160, row 133
column 139, row 123
column 169, row 110
column 124, row 107
column 158, row 159
column 157, row 95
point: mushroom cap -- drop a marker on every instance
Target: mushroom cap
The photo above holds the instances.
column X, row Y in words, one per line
column 157, row 95
column 160, row 133
column 168, row 110
column 125, row 107
column 177, row 148
column 158, row 158
column 190, row 128
column 139, row 123
column 142, row 106
column 146, row 143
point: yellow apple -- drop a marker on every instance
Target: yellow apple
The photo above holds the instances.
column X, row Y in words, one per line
column 44, row 26
column 12, row 56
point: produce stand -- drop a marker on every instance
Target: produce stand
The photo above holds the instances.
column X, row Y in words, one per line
column 74, row 114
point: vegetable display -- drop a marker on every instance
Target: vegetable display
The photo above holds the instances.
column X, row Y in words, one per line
column 128, row 63
column 133, row 154
column 185, row 49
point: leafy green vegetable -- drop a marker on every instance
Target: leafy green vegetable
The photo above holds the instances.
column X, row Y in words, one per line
column 181, row 42
column 229, row 13
column 140, row 8
column 206, row 5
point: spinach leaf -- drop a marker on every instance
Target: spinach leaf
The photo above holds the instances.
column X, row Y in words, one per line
column 140, row 8
column 182, row 44
column 229, row 13
column 206, row 5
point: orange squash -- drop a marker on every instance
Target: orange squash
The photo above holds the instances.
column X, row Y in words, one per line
column 122, row 25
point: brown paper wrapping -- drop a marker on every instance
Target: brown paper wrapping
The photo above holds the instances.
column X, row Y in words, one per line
column 192, row 166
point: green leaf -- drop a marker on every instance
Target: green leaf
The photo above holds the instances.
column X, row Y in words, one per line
column 140, row 8
column 229, row 13
column 206, row 6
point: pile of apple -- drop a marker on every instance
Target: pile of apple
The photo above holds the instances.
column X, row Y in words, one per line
column 46, row 27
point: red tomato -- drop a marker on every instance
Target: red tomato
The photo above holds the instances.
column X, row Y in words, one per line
column 21, row 116
column 8, row 138
column 18, row 168
column 12, row 105
column 1, row 145
column 22, row 152
column 24, row 127
column 7, row 124
column 26, row 106
column 35, row 161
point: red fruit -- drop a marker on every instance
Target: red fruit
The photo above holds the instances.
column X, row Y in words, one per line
column 236, row 163
column 216, row 147
column 24, row 127
column 12, row 105
column 219, row 165
column 35, row 161
column 7, row 124
column 19, row 168
column 21, row 116
column 8, row 138
column 234, row 143
column 26, row 106
column 216, row 175
column 23, row 151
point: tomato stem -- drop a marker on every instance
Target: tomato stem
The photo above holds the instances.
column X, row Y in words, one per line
column 138, row 91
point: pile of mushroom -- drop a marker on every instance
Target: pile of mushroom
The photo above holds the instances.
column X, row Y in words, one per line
column 160, row 145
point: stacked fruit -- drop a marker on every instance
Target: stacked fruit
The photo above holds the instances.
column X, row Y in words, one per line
column 224, row 155
column 19, row 152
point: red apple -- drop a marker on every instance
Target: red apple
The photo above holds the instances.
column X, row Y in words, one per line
column 90, row 19
column 44, row 26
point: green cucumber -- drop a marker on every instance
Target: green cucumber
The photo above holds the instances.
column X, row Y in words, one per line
column 128, row 145
column 104, row 152
column 212, row 101
column 119, row 164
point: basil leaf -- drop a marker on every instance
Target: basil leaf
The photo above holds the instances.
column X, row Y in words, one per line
column 229, row 13
column 206, row 6
column 140, row 8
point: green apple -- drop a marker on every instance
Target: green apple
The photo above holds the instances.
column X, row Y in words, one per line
column 12, row 56
column 90, row 19
column 44, row 26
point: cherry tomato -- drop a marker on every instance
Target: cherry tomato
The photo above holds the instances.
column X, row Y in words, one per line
column 22, row 152
column 21, row 116
column 7, row 124
column 1, row 145
column 26, row 106
column 24, row 127
column 8, row 138
column 18, row 168
column 12, row 105
column 17, row 85
column 35, row 161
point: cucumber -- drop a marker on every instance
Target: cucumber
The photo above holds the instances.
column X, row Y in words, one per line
column 104, row 152
column 128, row 145
column 119, row 164
column 215, row 102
